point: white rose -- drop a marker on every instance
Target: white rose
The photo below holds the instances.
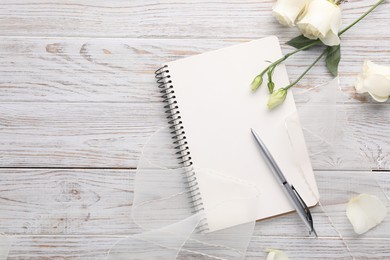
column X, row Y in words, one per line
column 374, row 79
column 287, row 11
column 322, row 20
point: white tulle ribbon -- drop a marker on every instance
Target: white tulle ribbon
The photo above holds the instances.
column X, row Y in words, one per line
column 325, row 125
column 5, row 245
column 171, row 223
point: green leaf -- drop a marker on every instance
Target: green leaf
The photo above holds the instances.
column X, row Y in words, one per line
column 333, row 56
column 301, row 41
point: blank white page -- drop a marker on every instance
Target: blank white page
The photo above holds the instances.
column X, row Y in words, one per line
column 218, row 109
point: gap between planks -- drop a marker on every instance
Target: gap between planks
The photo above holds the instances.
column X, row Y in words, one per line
column 135, row 168
column 69, row 168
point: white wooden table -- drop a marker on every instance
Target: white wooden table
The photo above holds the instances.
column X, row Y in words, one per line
column 78, row 100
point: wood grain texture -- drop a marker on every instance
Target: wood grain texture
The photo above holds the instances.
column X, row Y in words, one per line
column 83, row 213
column 77, row 90
column 96, row 247
column 112, row 135
column 61, row 247
column 99, row 202
column 323, row 248
column 75, row 135
column 166, row 18
column 121, row 70
column 49, row 201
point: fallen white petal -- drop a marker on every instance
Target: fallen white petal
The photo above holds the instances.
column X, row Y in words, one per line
column 274, row 254
column 365, row 212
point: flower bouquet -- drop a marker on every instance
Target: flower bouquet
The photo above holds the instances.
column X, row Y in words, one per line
column 319, row 22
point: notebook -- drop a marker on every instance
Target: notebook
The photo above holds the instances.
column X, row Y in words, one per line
column 211, row 108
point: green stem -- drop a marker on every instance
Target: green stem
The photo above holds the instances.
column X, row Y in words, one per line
column 361, row 17
column 307, row 70
column 285, row 57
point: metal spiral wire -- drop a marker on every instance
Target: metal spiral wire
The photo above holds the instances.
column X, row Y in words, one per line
column 165, row 84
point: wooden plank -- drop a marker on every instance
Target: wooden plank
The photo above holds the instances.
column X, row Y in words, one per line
column 96, row 247
column 112, row 135
column 322, row 248
column 83, row 213
column 61, row 247
column 374, row 249
column 166, row 18
column 50, row 201
column 121, row 70
column 76, row 135
column 78, row 70
column 299, row 248
column 99, row 202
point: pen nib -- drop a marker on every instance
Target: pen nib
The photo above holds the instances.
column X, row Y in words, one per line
column 314, row 231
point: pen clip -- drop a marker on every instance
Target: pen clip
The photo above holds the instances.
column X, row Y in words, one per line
column 307, row 211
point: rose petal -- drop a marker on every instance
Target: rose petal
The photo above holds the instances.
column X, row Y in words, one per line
column 372, row 68
column 378, row 98
column 336, row 20
column 287, row 11
column 377, row 86
column 365, row 212
column 318, row 19
column 332, row 37
column 321, row 19
column 274, row 254
column 359, row 84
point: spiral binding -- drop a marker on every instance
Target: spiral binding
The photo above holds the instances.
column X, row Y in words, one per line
column 171, row 107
